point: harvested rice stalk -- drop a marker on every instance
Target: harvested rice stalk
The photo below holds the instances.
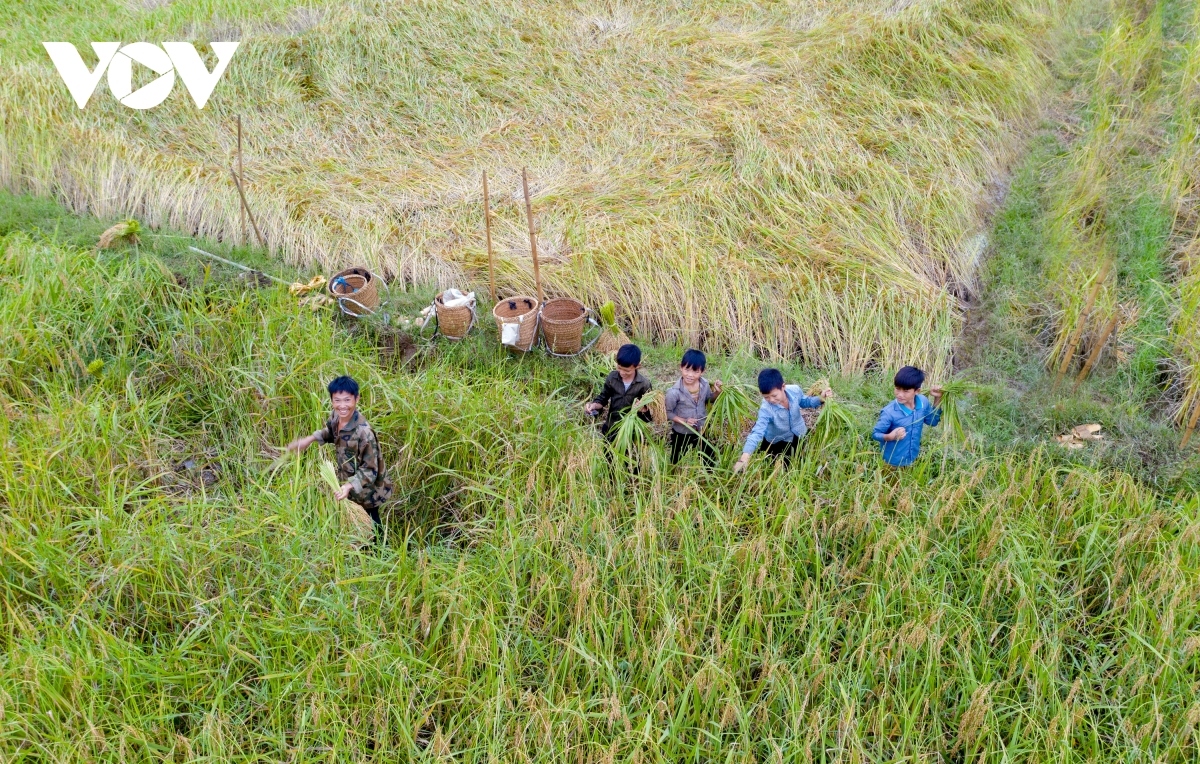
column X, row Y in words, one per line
column 634, row 438
column 355, row 519
column 834, row 424
column 952, row 421
column 126, row 231
column 728, row 414
column 611, row 336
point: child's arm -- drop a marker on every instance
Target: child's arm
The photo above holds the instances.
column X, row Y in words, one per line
column 883, row 427
column 934, row 417
column 670, row 403
column 601, row 400
column 754, row 438
column 714, row 389
column 299, row 444
column 644, row 412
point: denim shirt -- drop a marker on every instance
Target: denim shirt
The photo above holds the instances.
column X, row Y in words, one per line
column 775, row 423
column 903, row 452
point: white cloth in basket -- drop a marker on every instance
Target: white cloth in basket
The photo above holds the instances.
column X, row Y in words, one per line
column 510, row 334
column 452, row 298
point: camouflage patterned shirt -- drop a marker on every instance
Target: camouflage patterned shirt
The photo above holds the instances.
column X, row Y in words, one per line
column 359, row 459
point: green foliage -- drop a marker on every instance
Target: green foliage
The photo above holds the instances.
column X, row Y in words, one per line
column 527, row 602
column 951, row 404
column 729, row 414
column 835, row 423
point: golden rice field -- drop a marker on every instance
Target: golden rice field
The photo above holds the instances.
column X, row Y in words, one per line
column 801, row 178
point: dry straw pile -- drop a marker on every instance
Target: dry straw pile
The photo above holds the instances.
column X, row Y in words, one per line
column 796, row 177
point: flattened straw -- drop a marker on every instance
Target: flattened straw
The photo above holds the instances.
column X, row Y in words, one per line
column 537, row 276
column 237, row 182
column 1095, row 356
column 1073, row 345
column 1191, row 427
column 241, row 174
column 487, row 227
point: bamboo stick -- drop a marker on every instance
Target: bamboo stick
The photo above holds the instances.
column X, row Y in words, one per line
column 1191, row 426
column 1077, row 335
column 1095, row 356
column 239, row 266
column 537, row 276
column 241, row 174
column 487, row 227
column 237, row 182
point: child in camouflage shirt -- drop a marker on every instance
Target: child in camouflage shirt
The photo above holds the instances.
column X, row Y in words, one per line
column 359, row 459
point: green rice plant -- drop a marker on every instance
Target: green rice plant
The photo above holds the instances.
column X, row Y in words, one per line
column 522, row 606
column 835, row 425
column 729, row 415
column 635, row 442
column 953, row 393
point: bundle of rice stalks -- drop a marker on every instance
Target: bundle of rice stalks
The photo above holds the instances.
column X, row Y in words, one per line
column 126, row 231
column 811, row 415
column 354, row 518
column 835, row 424
column 635, row 440
column 729, row 414
column 611, row 336
column 952, row 421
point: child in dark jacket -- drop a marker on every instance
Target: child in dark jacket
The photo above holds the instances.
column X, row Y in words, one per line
column 622, row 388
column 901, row 421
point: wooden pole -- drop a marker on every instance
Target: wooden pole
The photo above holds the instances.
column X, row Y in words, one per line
column 237, row 182
column 1095, row 356
column 241, row 174
column 537, row 276
column 1191, row 426
column 487, row 227
column 1077, row 335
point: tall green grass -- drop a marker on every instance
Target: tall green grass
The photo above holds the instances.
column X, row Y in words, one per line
column 801, row 179
column 527, row 605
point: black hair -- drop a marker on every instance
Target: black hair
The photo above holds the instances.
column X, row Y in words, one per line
column 769, row 379
column 693, row 359
column 910, row 378
column 343, row 384
column 629, row 355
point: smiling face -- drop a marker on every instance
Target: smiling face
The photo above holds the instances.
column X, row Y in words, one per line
column 628, row 373
column 690, row 376
column 906, row 397
column 343, row 405
column 777, row 396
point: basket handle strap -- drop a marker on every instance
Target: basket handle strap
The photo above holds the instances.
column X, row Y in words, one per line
column 342, row 305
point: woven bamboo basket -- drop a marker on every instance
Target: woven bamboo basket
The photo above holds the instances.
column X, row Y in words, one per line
column 354, row 289
column 562, row 325
column 453, row 323
column 522, row 311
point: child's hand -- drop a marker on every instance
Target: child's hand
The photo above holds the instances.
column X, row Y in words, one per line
column 897, row 434
column 935, row 393
column 592, row 407
column 826, row 394
column 741, row 463
column 716, row 387
column 342, row 493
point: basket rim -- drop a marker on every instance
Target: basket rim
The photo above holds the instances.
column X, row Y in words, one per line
column 532, row 302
